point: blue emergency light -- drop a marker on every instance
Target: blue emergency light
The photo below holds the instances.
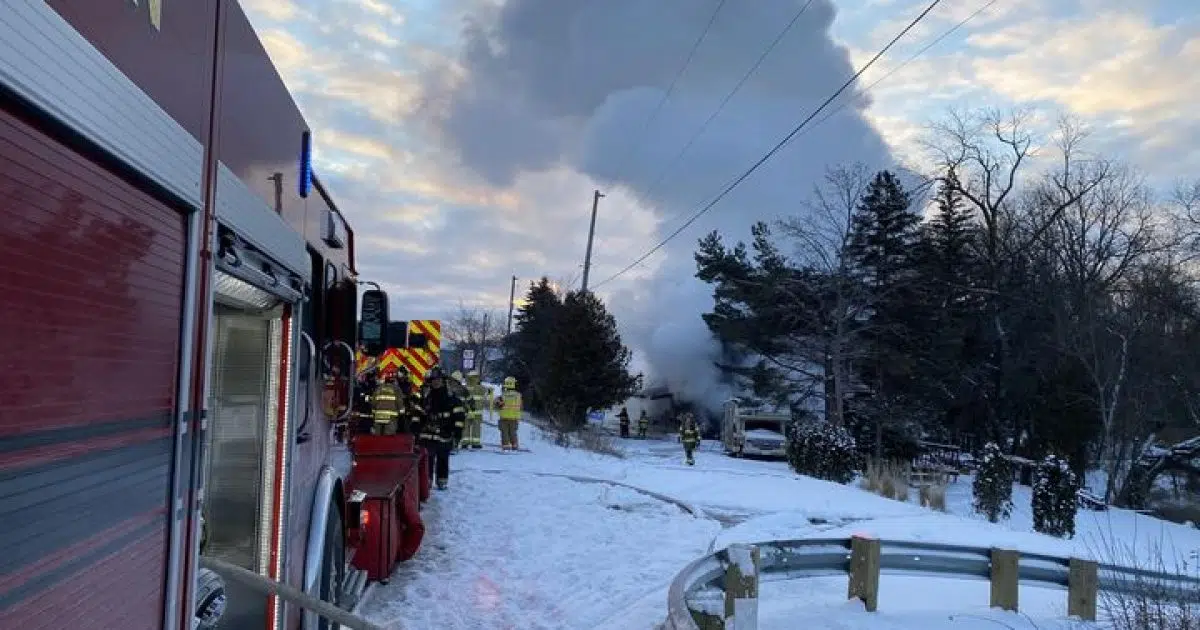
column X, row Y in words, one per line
column 306, row 170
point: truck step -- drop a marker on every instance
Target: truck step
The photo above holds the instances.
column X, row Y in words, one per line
column 353, row 589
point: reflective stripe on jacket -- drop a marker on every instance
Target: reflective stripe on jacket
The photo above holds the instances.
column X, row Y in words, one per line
column 385, row 405
column 512, row 405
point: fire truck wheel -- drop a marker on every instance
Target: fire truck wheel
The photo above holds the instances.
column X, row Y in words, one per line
column 333, row 563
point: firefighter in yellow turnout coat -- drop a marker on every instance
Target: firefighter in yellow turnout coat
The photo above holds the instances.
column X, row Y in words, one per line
column 510, row 414
column 478, row 400
column 387, row 405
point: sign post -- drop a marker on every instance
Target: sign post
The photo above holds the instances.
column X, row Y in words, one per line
column 468, row 360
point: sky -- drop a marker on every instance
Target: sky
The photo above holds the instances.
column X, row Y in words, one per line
column 464, row 138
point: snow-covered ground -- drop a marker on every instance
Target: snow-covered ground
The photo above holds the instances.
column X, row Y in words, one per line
column 531, row 540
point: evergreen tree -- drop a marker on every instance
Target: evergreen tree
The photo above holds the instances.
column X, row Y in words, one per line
column 528, row 347
column 1055, row 498
column 950, row 307
column 993, row 484
column 882, row 249
column 588, row 365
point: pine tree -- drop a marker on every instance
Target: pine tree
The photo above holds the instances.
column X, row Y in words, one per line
column 993, row 484
column 588, row 365
column 1055, row 498
column 949, row 309
column 528, row 347
column 882, row 249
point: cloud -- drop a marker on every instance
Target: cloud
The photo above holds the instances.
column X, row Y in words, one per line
column 553, row 85
column 464, row 138
column 1122, row 67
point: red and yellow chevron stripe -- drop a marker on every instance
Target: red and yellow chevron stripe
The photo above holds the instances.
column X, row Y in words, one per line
column 417, row 361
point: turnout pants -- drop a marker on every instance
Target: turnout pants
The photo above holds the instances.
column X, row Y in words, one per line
column 473, row 437
column 439, row 460
column 689, row 450
column 508, row 433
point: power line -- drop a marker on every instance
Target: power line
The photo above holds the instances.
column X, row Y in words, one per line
column 778, row 146
column 924, row 49
column 678, row 75
column 887, row 75
column 728, row 97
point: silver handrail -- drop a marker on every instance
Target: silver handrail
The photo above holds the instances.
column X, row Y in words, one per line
column 301, row 436
column 266, row 586
column 351, row 379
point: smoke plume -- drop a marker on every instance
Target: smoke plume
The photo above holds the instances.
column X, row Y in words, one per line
column 552, row 83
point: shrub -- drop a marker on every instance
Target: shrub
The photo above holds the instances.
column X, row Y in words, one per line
column 1055, row 498
column 821, row 450
column 993, row 484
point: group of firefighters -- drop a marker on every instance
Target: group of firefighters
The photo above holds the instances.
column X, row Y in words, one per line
column 444, row 414
column 689, row 433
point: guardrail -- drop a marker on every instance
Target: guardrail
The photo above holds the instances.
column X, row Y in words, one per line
column 720, row 590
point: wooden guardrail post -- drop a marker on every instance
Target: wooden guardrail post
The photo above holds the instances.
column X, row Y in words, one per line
column 864, row 571
column 741, row 588
column 1083, row 581
column 1005, row 579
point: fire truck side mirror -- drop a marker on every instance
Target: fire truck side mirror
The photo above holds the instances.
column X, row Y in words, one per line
column 373, row 326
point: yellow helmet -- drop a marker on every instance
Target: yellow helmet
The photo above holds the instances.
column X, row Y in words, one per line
column 510, row 382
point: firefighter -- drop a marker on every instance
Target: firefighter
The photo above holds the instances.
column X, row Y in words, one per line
column 479, row 399
column 509, row 404
column 458, row 384
column 443, row 412
column 362, row 419
column 690, row 436
column 387, row 405
column 623, row 417
column 643, row 424
column 410, row 411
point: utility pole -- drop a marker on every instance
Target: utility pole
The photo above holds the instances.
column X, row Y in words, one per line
column 587, row 258
column 512, row 297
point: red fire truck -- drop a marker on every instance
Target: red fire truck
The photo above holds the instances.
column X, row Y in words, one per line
column 174, row 283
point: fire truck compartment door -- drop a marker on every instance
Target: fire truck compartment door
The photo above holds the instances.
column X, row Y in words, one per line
column 240, row 472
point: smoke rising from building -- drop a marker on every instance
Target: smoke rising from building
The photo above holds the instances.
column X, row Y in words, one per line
column 547, row 83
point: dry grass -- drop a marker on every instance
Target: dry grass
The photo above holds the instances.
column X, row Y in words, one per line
column 933, row 496
column 1149, row 602
column 887, row 479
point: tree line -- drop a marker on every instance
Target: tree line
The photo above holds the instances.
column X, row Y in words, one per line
column 567, row 355
column 1027, row 292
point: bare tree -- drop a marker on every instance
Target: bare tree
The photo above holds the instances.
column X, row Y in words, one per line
column 989, row 152
column 477, row 329
column 821, row 236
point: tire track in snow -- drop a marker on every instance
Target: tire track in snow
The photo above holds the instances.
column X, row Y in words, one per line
column 680, row 503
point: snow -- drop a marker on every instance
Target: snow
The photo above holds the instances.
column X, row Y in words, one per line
column 763, row 434
column 906, row 603
column 573, row 558
column 566, row 538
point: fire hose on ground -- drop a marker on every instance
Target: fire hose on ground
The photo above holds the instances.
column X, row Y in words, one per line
column 266, row 586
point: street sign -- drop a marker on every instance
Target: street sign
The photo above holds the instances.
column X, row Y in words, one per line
column 468, row 359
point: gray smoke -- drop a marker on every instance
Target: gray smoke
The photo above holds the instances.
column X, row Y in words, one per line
column 547, row 83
